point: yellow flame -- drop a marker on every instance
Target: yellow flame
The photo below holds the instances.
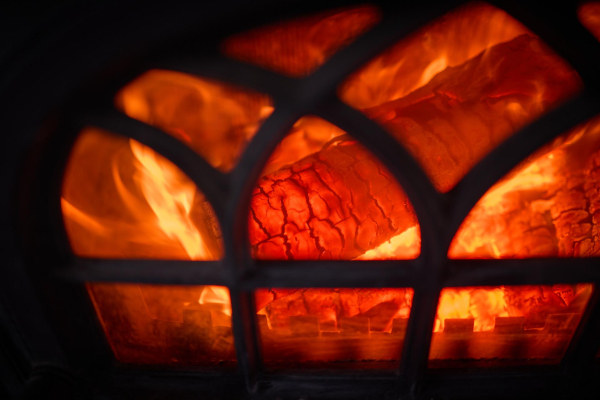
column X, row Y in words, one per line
column 406, row 245
column 482, row 304
column 216, row 295
column 170, row 194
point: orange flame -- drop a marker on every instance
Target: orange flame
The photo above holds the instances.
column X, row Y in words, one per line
column 458, row 87
column 145, row 206
column 121, row 199
column 299, row 46
column 589, row 15
column 482, row 304
column 170, row 194
column 413, row 62
column 518, row 217
column 216, row 120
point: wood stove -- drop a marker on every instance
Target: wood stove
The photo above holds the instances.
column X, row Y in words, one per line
column 311, row 201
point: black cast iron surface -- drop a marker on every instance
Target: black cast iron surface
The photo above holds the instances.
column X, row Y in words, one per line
column 63, row 76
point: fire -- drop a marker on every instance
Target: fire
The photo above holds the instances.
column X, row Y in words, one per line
column 457, row 88
column 339, row 202
column 450, row 93
column 589, row 15
column 482, row 304
column 298, row 47
column 216, row 120
column 546, row 207
column 413, row 62
column 406, row 243
column 121, row 199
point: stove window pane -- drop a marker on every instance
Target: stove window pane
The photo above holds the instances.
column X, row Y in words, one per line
column 507, row 325
column 322, row 195
column 120, row 199
column 589, row 15
column 167, row 325
column 548, row 206
column 458, row 87
column 298, row 47
column 216, row 120
column 307, row 329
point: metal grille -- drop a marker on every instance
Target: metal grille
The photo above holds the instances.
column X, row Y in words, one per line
column 439, row 216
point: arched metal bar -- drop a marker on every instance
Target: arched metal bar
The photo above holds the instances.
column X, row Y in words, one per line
column 212, row 183
column 511, row 152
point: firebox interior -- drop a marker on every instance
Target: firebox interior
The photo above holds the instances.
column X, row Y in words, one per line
column 450, row 93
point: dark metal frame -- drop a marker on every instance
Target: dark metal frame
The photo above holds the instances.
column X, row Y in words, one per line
column 57, row 274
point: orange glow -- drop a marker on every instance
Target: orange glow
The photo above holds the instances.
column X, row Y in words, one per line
column 508, row 325
column 457, row 88
column 450, row 93
column 329, row 199
column 120, row 199
column 589, row 15
column 123, row 200
column 548, row 206
column 299, row 46
column 150, row 324
column 308, row 328
column 216, row 120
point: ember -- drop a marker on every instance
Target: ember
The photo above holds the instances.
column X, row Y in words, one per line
column 548, row 206
column 506, row 326
column 589, row 15
column 214, row 119
column 168, row 325
column 298, row 47
column 450, row 93
column 467, row 100
column 316, row 327
column 337, row 203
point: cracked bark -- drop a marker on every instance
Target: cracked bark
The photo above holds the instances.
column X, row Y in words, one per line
column 335, row 204
column 465, row 111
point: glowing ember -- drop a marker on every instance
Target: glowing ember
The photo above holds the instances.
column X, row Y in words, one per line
column 518, row 324
column 148, row 324
column 546, row 207
column 299, row 46
column 337, row 203
column 589, row 15
column 315, row 327
column 453, row 102
column 450, row 94
column 216, row 120
column 121, row 199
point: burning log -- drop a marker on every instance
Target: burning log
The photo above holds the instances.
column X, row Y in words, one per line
column 467, row 110
column 330, row 306
column 576, row 212
column 459, row 325
column 335, row 204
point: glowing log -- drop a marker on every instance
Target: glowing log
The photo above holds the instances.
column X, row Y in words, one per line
column 330, row 306
column 465, row 111
column 335, row 204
